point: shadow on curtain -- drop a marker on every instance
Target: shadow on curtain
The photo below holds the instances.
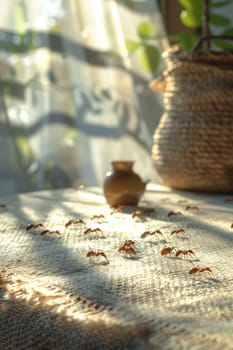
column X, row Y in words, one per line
column 72, row 97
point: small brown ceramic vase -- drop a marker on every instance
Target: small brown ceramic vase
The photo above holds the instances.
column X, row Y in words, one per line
column 122, row 186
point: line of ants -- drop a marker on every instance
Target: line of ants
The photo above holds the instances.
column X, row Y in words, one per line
column 183, row 253
column 95, row 230
column 178, row 252
column 159, row 232
column 56, row 232
column 43, row 232
column 139, row 212
column 128, row 247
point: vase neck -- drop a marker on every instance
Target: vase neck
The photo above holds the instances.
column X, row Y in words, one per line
column 122, row 165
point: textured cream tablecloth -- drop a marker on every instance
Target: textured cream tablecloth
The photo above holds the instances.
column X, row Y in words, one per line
column 53, row 297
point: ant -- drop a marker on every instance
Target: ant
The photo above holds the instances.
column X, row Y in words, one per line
column 30, row 226
column 127, row 250
column 175, row 232
column 145, row 234
column 150, row 233
column 98, row 217
column 56, row 233
column 181, row 201
column 185, row 252
column 74, row 221
column 199, row 269
column 128, row 247
column 232, row 225
column 189, row 207
column 3, row 206
column 96, row 254
column 173, row 213
column 128, row 243
column 117, row 210
column 167, row 250
column 147, row 211
column 94, row 230
column 158, row 232
column 137, row 213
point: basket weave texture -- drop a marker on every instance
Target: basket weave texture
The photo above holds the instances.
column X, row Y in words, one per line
column 193, row 143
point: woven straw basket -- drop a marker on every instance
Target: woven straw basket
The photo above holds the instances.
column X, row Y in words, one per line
column 193, row 143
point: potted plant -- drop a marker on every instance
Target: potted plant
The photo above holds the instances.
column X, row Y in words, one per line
column 193, row 142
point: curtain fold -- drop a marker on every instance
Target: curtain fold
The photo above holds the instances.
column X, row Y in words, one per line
column 73, row 98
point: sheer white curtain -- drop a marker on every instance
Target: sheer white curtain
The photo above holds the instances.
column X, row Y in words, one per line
column 72, row 97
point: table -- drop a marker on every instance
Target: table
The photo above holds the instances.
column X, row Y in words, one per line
column 55, row 294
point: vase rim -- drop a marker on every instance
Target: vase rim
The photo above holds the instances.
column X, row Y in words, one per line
column 123, row 165
column 123, row 161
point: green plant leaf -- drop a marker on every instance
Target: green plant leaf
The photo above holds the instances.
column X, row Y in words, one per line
column 19, row 18
column 220, row 21
column 150, row 58
column 223, row 44
column 220, row 3
column 191, row 19
column 132, row 45
column 30, row 40
column 195, row 5
column 70, row 136
column 187, row 4
column 188, row 41
column 145, row 30
column 24, row 149
column 229, row 32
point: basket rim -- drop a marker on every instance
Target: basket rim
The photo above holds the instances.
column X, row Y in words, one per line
column 214, row 56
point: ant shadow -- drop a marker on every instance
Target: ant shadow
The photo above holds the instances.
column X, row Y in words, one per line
column 95, row 237
column 139, row 214
column 156, row 243
column 169, row 257
column 182, row 238
column 99, row 263
column 191, row 260
column 214, row 280
column 46, row 236
column 139, row 218
column 207, row 280
column 131, row 257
